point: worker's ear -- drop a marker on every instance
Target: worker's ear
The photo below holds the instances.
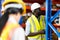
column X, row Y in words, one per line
column 2, row 12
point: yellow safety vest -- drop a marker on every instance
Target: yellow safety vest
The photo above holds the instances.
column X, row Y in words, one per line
column 6, row 31
column 36, row 26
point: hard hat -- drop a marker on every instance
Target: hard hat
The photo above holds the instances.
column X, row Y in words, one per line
column 17, row 1
column 35, row 6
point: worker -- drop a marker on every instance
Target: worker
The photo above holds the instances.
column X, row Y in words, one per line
column 35, row 25
column 9, row 26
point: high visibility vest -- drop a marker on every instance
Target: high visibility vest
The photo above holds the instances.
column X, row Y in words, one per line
column 6, row 31
column 37, row 26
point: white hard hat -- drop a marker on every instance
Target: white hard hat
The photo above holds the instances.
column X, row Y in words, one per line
column 35, row 6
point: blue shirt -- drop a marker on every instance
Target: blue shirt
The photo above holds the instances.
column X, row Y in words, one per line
column 21, row 20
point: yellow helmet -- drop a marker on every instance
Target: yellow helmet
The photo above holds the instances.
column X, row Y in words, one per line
column 17, row 1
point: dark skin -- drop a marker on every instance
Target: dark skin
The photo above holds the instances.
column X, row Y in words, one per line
column 37, row 11
column 37, row 33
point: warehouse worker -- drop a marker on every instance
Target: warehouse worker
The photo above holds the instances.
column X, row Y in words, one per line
column 9, row 27
column 35, row 25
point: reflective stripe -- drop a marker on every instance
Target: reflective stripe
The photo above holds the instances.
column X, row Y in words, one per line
column 32, row 26
column 42, row 22
column 36, row 26
column 35, row 21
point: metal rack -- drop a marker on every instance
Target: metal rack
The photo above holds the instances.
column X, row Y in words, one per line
column 49, row 19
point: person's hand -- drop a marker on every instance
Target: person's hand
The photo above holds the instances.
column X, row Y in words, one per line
column 42, row 32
